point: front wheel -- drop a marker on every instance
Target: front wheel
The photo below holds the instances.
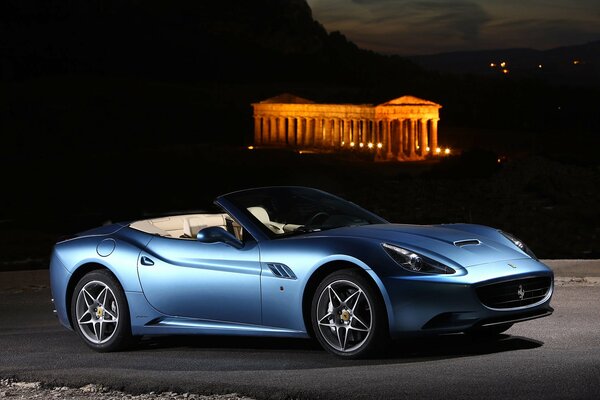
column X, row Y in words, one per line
column 348, row 317
column 100, row 313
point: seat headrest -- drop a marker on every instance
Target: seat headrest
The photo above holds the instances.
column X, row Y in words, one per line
column 260, row 214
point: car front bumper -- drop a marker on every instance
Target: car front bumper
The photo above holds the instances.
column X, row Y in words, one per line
column 421, row 304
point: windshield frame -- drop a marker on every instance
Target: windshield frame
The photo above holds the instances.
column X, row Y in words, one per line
column 257, row 229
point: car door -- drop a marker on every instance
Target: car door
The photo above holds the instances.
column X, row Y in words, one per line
column 213, row 281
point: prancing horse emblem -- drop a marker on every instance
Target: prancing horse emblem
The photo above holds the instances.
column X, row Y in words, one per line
column 521, row 292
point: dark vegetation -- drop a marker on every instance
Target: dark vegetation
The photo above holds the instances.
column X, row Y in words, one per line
column 112, row 110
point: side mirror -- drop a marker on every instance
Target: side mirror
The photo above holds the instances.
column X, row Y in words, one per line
column 214, row 234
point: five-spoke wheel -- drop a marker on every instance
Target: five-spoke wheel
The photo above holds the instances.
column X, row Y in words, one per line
column 347, row 316
column 99, row 312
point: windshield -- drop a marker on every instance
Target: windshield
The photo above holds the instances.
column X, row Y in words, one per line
column 285, row 211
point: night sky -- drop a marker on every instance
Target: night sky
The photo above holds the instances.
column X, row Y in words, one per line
column 411, row 27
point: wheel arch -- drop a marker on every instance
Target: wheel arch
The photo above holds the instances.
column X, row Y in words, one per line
column 76, row 276
column 336, row 265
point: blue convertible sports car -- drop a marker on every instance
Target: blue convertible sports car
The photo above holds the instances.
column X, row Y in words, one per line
column 294, row 262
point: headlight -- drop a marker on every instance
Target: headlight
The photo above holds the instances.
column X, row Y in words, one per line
column 414, row 262
column 519, row 244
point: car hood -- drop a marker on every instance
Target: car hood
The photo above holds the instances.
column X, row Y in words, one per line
column 465, row 244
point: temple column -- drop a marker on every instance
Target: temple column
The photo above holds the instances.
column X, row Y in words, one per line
column 299, row 131
column 346, row 132
column 265, row 130
column 364, row 133
column 375, row 138
column 281, row 130
column 291, row 136
column 423, row 137
column 434, row 135
column 388, row 139
column 327, row 133
column 317, row 132
column 399, row 134
column 355, row 129
column 273, row 122
column 412, row 136
column 257, row 133
column 405, row 134
column 310, row 132
column 400, row 139
column 360, row 132
column 335, row 137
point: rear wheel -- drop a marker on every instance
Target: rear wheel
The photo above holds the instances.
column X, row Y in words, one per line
column 100, row 313
column 348, row 317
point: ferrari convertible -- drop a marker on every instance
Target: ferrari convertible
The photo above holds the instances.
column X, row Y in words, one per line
column 293, row 262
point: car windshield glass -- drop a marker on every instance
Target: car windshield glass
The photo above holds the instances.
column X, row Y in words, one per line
column 285, row 211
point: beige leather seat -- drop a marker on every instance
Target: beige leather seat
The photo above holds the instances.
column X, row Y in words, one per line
column 190, row 230
column 263, row 216
column 193, row 224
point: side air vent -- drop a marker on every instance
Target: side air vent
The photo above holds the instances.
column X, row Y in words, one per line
column 467, row 242
column 281, row 271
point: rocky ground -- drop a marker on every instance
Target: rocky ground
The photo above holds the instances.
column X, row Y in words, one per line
column 36, row 390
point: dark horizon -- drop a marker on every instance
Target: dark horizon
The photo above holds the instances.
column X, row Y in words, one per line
column 416, row 28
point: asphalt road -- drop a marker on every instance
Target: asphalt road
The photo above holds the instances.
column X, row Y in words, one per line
column 556, row 357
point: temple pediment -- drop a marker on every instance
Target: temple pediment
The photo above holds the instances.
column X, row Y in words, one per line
column 410, row 101
column 287, row 98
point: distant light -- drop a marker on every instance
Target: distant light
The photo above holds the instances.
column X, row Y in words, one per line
column 343, row 143
column 351, row 144
column 492, row 65
column 499, row 161
column 575, row 62
column 505, row 71
column 447, row 151
column 428, row 149
column 250, row 147
column 379, row 145
column 540, row 66
column 361, row 144
column 503, row 64
column 438, row 150
column 370, row 145
column 418, row 147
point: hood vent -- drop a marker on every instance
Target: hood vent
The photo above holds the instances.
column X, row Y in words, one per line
column 281, row 271
column 467, row 242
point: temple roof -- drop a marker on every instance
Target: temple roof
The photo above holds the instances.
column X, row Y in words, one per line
column 286, row 98
column 410, row 101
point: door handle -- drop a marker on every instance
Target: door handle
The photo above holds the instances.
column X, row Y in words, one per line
column 146, row 261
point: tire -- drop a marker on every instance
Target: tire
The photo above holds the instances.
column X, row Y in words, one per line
column 100, row 313
column 348, row 316
column 489, row 331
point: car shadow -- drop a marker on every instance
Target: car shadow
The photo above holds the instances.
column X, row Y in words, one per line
column 287, row 353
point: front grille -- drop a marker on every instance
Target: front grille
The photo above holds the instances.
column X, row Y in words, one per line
column 515, row 293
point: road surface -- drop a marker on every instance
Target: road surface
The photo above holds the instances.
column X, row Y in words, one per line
column 556, row 357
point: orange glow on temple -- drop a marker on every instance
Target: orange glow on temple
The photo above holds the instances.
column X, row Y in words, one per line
column 401, row 127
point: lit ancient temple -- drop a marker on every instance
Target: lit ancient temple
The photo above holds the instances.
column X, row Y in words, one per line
column 401, row 129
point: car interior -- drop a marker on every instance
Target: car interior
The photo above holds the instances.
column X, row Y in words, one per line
column 187, row 226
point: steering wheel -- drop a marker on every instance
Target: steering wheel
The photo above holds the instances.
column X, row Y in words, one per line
column 321, row 216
